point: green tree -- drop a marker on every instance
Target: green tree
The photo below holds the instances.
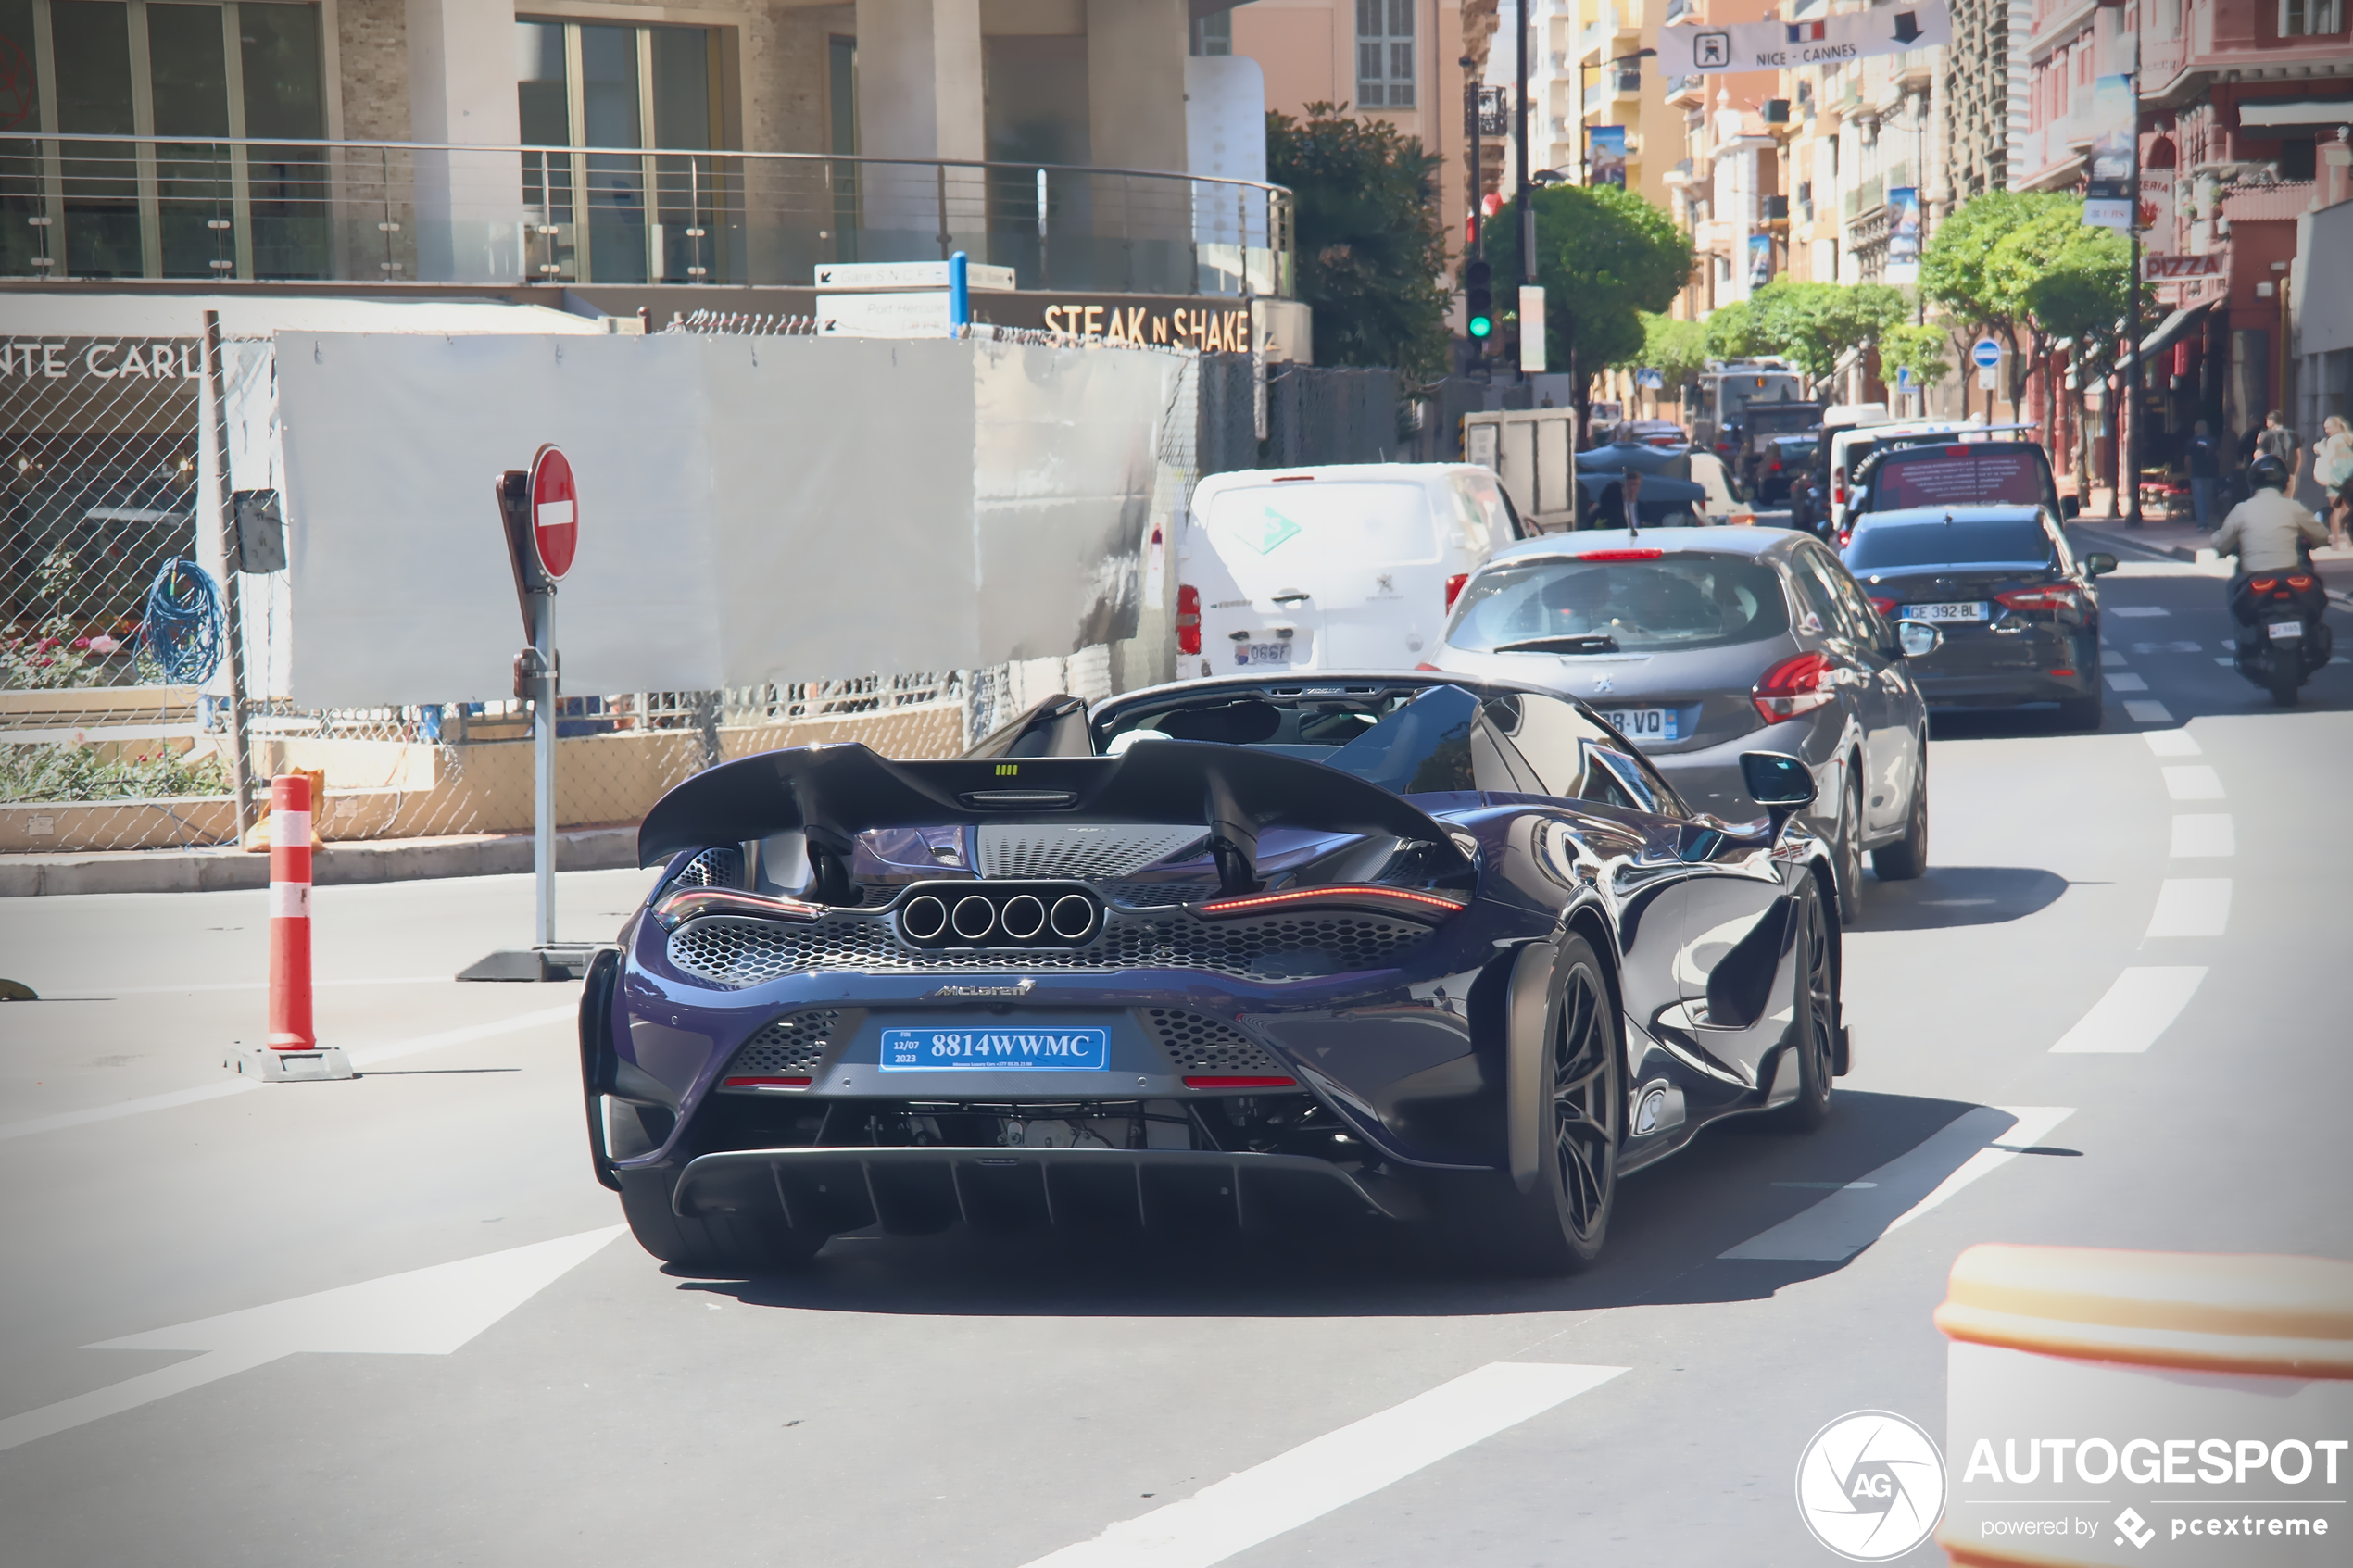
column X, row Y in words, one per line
column 1815, row 325
column 1677, row 350
column 1371, row 254
column 1604, row 257
column 1958, row 268
column 2076, row 282
column 1918, row 349
column 1736, row 332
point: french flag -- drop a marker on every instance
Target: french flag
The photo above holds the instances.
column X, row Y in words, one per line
column 1805, row 32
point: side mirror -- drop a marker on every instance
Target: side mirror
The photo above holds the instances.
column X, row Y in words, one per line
column 2099, row 563
column 1919, row 638
column 2069, row 507
column 1780, row 784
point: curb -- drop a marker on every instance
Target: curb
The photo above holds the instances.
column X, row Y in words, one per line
column 214, row 871
column 2176, row 552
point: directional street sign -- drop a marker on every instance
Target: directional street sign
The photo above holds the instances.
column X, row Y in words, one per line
column 910, row 275
column 1985, row 353
column 913, row 314
column 555, row 512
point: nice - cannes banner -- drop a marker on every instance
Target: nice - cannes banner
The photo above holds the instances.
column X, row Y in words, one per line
column 1702, row 50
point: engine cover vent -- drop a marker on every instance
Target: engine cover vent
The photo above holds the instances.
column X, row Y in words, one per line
column 1084, row 853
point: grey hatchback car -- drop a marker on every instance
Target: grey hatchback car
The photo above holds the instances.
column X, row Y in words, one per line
column 1699, row 643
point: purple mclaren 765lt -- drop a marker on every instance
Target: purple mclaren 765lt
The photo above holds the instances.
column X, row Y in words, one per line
column 1233, row 953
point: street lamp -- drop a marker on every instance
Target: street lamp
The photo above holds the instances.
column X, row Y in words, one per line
column 1584, row 154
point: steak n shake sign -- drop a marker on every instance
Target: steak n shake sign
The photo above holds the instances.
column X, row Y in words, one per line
column 1216, row 328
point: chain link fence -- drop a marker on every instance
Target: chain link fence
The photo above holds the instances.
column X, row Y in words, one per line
column 117, row 731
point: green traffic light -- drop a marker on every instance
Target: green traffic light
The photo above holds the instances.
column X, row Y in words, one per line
column 1481, row 326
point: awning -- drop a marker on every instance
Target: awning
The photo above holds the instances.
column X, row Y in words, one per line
column 2168, row 331
column 2302, row 111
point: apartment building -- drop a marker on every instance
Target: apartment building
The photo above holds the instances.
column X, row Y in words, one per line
column 2242, row 114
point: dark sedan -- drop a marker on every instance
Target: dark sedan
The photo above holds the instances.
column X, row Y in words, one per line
column 1699, row 643
column 2018, row 613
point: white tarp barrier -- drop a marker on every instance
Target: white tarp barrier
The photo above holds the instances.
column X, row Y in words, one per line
column 752, row 509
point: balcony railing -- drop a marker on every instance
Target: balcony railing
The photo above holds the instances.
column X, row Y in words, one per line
column 127, row 207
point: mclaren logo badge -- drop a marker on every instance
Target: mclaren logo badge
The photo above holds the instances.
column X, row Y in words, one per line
column 953, row 992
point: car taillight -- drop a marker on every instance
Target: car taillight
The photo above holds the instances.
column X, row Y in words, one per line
column 1622, row 555
column 1838, row 491
column 1777, row 466
column 1188, row 619
column 763, row 1082
column 1454, row 587
column 2050, row 595
column 1793, row 686
column 1845, row 537
column 1429, row 908
column 1885, row 607
column 2300, row 582
column 1237, row 1080
column 2264, row 584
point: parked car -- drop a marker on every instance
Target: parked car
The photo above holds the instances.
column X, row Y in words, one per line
column 1701, row 644
column 1350, row 566
column 1660, row 432
column 1221, row 955
column 2018, row 613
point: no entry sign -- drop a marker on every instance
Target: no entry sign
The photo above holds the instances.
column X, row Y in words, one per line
column 555, row 512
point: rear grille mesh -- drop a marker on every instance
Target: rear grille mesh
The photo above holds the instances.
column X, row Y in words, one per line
column 719, row 867
column 793, row 1044
column 1088, row 854
column 737, row 953
column 1196, row 1043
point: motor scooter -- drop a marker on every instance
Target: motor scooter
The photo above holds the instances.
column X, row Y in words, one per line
column 2282, row 633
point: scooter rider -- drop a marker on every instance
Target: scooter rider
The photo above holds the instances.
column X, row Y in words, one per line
column 2267, row 531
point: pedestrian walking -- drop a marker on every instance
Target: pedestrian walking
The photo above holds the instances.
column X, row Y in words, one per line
column 2278, row 440
column 2205, row 460
column 2332, row 471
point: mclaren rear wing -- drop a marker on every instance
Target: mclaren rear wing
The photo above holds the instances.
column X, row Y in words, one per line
column 834, row 792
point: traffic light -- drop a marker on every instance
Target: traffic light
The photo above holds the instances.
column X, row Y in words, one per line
column 1478, row 299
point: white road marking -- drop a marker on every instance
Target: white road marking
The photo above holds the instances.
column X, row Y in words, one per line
column 2140, row 1006
column 2126, row 681
column 2110, row 657
column 2166, row 648
column 1329, row 1472
column 364, row 1058
column 2195, row 906
column 429, row 1311
column 2227, row 662
column 2172, row 743
column 2130, row 611
column 1906, row 1186
column 2148, row 713
column 2193, row 784
column 2204, row 837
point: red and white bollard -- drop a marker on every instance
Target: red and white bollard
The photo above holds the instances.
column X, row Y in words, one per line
column 294, row 1051
column 290, row 1025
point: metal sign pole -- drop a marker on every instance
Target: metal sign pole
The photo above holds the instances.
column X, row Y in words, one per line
column 239, row 762
column 543, row 763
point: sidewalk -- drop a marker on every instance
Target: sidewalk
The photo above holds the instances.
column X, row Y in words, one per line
column 2183, row 541
column 397, row 859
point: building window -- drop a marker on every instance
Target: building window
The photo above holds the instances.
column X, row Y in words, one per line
column 1213, row 34
column 1385, row 53
column 2310, row 19
column 215, row 199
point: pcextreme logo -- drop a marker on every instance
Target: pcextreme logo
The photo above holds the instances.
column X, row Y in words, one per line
column 1870, row 1486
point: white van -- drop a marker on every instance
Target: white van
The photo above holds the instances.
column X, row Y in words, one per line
column 1350, row 567
column 1850, row 446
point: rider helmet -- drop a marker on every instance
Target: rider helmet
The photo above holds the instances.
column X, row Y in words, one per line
column 2266, row 472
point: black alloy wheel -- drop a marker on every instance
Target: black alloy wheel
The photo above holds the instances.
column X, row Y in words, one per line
column 1813, row 1026
column 1908, row 857
column 1847, row 849
column 1559, row 1226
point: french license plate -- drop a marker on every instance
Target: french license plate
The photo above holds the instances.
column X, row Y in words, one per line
column 2286, row 630
column 1262, row 653
column 1967, row 610
column 1644, row 723
column 996, row 1051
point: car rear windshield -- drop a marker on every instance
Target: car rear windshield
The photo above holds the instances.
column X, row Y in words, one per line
column 1302, row 519
column 1939, row 542
column 1961, row 476
column 1680, row 601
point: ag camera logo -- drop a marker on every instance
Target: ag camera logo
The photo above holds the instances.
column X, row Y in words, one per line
column 1870, row 1486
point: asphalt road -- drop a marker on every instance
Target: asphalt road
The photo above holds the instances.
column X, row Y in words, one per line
column 963, row 1405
